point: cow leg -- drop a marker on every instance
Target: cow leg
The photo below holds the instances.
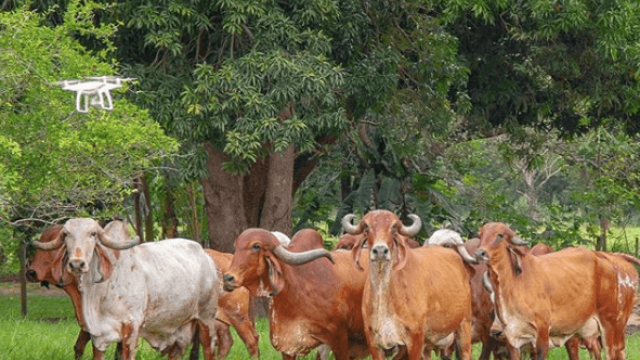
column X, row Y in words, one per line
column 288, row 357
column 572, row 345
column 204, row 334
column 542, row 342
column 447, row 353
column 463, row 339
column 195, row 346
column 619, row 342
column 225, row 340
column 247, row 332
column 415, row 346
column 426, row 352
column 97, row 354
column 609, row 338
column 488, row 346
column 81, row 343
column 514, row 352
column 129, row 341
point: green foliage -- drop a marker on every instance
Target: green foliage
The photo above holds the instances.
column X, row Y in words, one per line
column 567, row 65
column 55, row 162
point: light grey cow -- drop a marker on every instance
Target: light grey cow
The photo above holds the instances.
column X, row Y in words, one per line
column 161, row 291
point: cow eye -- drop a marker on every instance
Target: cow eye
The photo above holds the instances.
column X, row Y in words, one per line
column 94, row 233
column 256, row 247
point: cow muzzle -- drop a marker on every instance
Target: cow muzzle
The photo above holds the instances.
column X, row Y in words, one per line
column 32, row 275
column 380, row 252
column 77, row 266
column 481, row 255
column 229, row 282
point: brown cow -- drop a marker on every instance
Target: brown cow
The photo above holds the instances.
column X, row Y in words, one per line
column 312, row 302
column 558, row 294
column 43, row 268
column 412, row 297
column 572, row 345
column 234, row 310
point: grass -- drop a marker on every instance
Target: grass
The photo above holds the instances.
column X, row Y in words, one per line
column 50, row 331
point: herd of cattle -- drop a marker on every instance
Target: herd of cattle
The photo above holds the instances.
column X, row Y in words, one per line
column 378, row 294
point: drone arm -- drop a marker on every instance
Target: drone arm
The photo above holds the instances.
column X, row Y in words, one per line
column 109, row 104
column 78, row 100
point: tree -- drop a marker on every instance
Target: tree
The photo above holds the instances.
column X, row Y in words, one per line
column 570, row 66
column 56, row 163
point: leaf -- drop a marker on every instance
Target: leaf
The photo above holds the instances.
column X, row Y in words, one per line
column 389, row 193
column 364, row 194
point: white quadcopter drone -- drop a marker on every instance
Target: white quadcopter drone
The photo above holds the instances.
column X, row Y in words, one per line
column 95, row 91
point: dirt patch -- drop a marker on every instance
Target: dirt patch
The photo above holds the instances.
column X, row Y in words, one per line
column 13, row 288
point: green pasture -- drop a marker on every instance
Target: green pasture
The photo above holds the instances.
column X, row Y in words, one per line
column 50, row 331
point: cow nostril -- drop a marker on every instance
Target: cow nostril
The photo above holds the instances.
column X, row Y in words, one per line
column 380, row 251
column 228, row 278
column 76, row 265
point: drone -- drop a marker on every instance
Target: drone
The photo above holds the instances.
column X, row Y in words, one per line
column 96, row 91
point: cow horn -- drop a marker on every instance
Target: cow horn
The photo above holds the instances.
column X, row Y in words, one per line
column 292, row 258
column 414, row 228
column 487, row 283
column 517, row 241
column 351, row 229
column 50, row 245
column 466, row 256
column 110, row 243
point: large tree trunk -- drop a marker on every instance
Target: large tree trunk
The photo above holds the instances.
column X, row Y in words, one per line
column 169, row 218
column 255, row 187
column 223, row 202
column 276, row 214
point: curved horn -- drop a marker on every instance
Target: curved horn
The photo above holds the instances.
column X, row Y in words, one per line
column 466, row 256
column 110, row 243
column 517, row 241
column 51, row 245
column 486, row 282
column 351, row 229
column 292, row 258
column 414, row 228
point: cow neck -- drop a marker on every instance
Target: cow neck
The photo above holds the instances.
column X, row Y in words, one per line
column 93, row 295
column 289, row 295
column 381, row 286
column 505, row 273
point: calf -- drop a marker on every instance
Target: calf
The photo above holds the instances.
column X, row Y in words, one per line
column 234, row 310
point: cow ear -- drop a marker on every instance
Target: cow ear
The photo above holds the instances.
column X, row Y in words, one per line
column 401, row 254
column 355, row 252
column 516, row 261
column 60, row 276
column 101, row 266
column 275, row 274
